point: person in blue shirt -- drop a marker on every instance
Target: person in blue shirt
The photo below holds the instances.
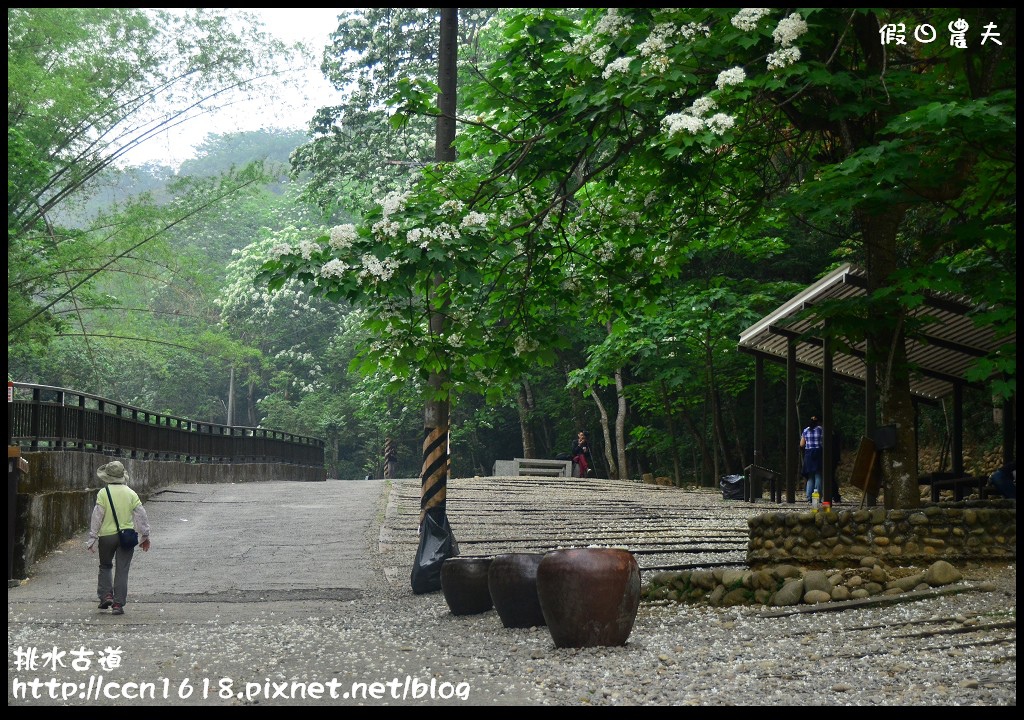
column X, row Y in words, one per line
column 1005, row 480
column 811, row 444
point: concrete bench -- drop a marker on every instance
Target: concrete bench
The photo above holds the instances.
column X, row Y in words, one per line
column 531, row 466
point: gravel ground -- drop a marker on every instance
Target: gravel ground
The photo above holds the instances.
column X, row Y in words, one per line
column 950, row 649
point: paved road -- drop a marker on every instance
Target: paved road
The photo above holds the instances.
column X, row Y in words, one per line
column 245, row 580
column 255, row 542
column 252, row 587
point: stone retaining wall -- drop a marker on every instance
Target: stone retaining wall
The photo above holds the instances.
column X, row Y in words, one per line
column 784, row 585
column 978, row 530
column 56, row 496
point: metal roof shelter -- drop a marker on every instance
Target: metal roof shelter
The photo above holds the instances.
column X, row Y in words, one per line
column 942, row 351
column 948, row 346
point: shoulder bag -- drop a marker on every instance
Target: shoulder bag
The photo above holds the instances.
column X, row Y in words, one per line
column 129, row 538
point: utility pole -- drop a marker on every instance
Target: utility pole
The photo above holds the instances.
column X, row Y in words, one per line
column 231, row 398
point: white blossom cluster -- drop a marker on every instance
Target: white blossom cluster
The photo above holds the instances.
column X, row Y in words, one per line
column 687, row 122
column 474, row 219
column 732, row 76
column 520, row 206
column 418, row 237
column 783, row 58
column 386, row 227
column 618, row 65
column 524, row 345
column 452, row 206
column 747, row 18
column 593, row 45
column 377, row 269
column 279, row 250
column 789, row 29
column 719, row 123
column 334, row 268
column 702, row 106
column 342, row 236
column 785, row 33
column 612, row 24
column 682, row 122
column 295, row 354
column 393, row 202
column 657, row 43
column 307, row 248
column 655, row 48
column 606, row 251
column 692, row 30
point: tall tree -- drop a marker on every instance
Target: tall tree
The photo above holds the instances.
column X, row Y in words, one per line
column 675, row 125
column 434, row 475
column 838, row 122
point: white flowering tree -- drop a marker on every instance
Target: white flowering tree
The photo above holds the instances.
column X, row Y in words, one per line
column 698, row 135
column 291, row 356
column 818, row 118
column 528, row 232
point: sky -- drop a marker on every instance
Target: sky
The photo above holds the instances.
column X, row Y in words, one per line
column 293, row 109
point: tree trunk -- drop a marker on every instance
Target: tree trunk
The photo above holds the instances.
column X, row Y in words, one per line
column 740, row 453
column 702, row 446
column 524, row 402
column 712, row 445
column 613, row 472
column 436, row 462
column 390, row 458
column 620, row 424
column 718, row 423
column 250, row 404
column 899, row 464
column 677, row 463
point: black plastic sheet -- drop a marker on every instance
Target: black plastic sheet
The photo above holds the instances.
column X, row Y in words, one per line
column 437, row 544
column 732, row 487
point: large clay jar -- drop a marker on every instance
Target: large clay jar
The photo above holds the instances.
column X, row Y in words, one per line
column 464, row 584
column 589, row 596
column 512, row 580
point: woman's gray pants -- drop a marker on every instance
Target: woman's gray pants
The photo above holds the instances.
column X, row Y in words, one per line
column 113, row 580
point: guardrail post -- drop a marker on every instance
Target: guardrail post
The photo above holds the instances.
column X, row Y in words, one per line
column 101, row 424
column 35, row 424
column 16, row 464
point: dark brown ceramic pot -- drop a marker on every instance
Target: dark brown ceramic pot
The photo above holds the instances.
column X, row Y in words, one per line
column 512, row 580
column 589, row 596
column 464, row 584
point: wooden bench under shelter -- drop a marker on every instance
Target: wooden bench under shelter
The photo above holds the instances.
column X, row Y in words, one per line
column 753, row 483
column 961, row 486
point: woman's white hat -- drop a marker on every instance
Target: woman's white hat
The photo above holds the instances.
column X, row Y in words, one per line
column 112, row 472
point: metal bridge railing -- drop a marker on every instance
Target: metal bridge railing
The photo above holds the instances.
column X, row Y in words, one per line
column 41, row 417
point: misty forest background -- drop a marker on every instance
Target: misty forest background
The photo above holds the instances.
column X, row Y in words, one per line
column 139, row 284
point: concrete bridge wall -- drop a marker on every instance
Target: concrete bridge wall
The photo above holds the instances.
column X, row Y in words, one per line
column 56, row 495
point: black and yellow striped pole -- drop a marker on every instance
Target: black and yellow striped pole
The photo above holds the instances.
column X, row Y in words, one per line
column 436, row 539
column 434, row 475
